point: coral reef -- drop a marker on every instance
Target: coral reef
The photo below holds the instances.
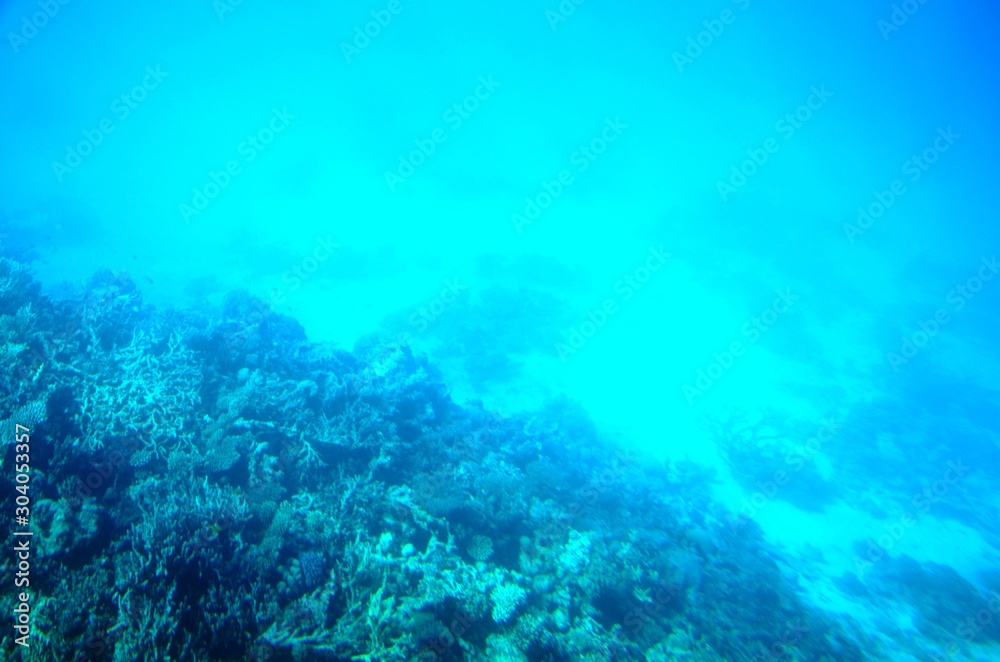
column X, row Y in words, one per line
column 219, row 488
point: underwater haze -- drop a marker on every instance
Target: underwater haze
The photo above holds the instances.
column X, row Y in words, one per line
column 556, row 330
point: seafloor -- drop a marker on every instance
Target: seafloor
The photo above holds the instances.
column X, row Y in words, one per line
column 210, row 485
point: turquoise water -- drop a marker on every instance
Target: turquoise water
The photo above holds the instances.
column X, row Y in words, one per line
column 546, row 331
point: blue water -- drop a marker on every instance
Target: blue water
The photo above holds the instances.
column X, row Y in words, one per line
column 355, row 293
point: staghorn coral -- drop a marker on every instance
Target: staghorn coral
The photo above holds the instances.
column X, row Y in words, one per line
column 137, row 390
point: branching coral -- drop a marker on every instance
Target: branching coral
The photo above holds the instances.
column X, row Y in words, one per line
column 378, row 522
column 15, row 283
column 480, row 548
column 506, row 599
column 136, row 390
